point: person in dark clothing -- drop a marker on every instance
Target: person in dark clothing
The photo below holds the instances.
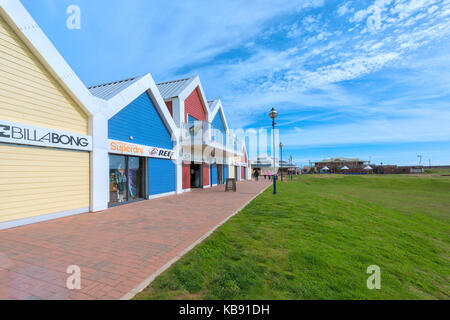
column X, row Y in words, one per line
column 256, row 175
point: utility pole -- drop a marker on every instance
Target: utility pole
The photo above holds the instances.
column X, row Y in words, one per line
column 420, row 159
column 281, row 160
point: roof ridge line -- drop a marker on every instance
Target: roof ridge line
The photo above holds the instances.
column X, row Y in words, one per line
column 113, row 82
column 177, row 80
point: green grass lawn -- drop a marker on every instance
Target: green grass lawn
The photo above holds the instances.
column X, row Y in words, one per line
column 315, row 240
column 437, row 171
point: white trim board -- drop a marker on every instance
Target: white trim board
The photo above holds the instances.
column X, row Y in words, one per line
column 45, row 217
column 161, row 195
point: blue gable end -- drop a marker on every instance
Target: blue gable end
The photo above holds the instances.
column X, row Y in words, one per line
column 218, row 122
column 141, row 120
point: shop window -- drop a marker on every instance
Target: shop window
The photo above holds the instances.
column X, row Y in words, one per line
column 126, row 179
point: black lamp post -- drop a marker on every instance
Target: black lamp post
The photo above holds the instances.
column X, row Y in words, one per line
column 281, row 159
column 273, row 114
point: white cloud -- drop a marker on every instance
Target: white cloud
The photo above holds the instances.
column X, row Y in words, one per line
column 345, row 8
column 373, row 14
column 350, row 69
column 161, row 36
column 405, row 9
column 311, row 75
column 378, row 63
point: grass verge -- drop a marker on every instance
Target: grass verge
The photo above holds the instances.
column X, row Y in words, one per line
column 315, row 240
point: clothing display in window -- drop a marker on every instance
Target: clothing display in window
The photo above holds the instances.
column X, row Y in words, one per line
column 126, row 182
column 121, row 180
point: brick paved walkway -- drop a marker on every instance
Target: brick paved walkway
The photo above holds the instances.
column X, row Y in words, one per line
column 116, row 249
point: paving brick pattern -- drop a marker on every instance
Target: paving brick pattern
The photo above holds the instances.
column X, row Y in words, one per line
column 116, row 249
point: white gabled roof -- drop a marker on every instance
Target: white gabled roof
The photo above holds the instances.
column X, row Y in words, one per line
column 120, row 94
column 34, row 38
column 214, row 107
column 108, row 90
column 182, row 89
column 211, row 104
column 173, row 89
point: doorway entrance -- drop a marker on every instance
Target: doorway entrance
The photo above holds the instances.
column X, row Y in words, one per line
column 126, row 179
column 220, row 179
column 196, row 176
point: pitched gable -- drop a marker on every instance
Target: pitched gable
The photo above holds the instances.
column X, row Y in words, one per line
column 142, row 121
column 193, row 107
column 218, row 122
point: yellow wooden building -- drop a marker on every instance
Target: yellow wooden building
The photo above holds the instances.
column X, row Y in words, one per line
column 45, row 138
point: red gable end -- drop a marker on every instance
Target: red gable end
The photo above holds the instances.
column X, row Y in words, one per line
column 193, row 107
column 244, row 157
column 169, row 105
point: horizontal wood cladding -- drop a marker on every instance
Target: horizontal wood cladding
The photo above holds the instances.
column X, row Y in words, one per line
column 169, row 105
column 28, row 92
column 193, row 107
column 142, row 121
column 37, row 181
column 218, row 122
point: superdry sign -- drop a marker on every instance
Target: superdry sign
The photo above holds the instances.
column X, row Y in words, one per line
column 35, row 136
column 139, row 150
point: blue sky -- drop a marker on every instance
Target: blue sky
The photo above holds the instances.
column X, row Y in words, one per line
column 367, row 79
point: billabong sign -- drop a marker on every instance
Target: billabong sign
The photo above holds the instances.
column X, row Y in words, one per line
column 36, row 136
column 139, row 150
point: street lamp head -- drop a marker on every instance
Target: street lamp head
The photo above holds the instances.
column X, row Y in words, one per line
column 273, row 113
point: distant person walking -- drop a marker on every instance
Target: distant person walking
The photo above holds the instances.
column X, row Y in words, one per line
column 256, row 175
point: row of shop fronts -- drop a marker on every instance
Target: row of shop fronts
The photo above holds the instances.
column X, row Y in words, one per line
column 67, row 149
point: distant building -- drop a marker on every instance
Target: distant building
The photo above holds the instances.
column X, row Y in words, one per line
column 417, row 170
column 336, row 165
column 393, row 169
column 357, row 166
column 264, row 163
column 288, row 168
